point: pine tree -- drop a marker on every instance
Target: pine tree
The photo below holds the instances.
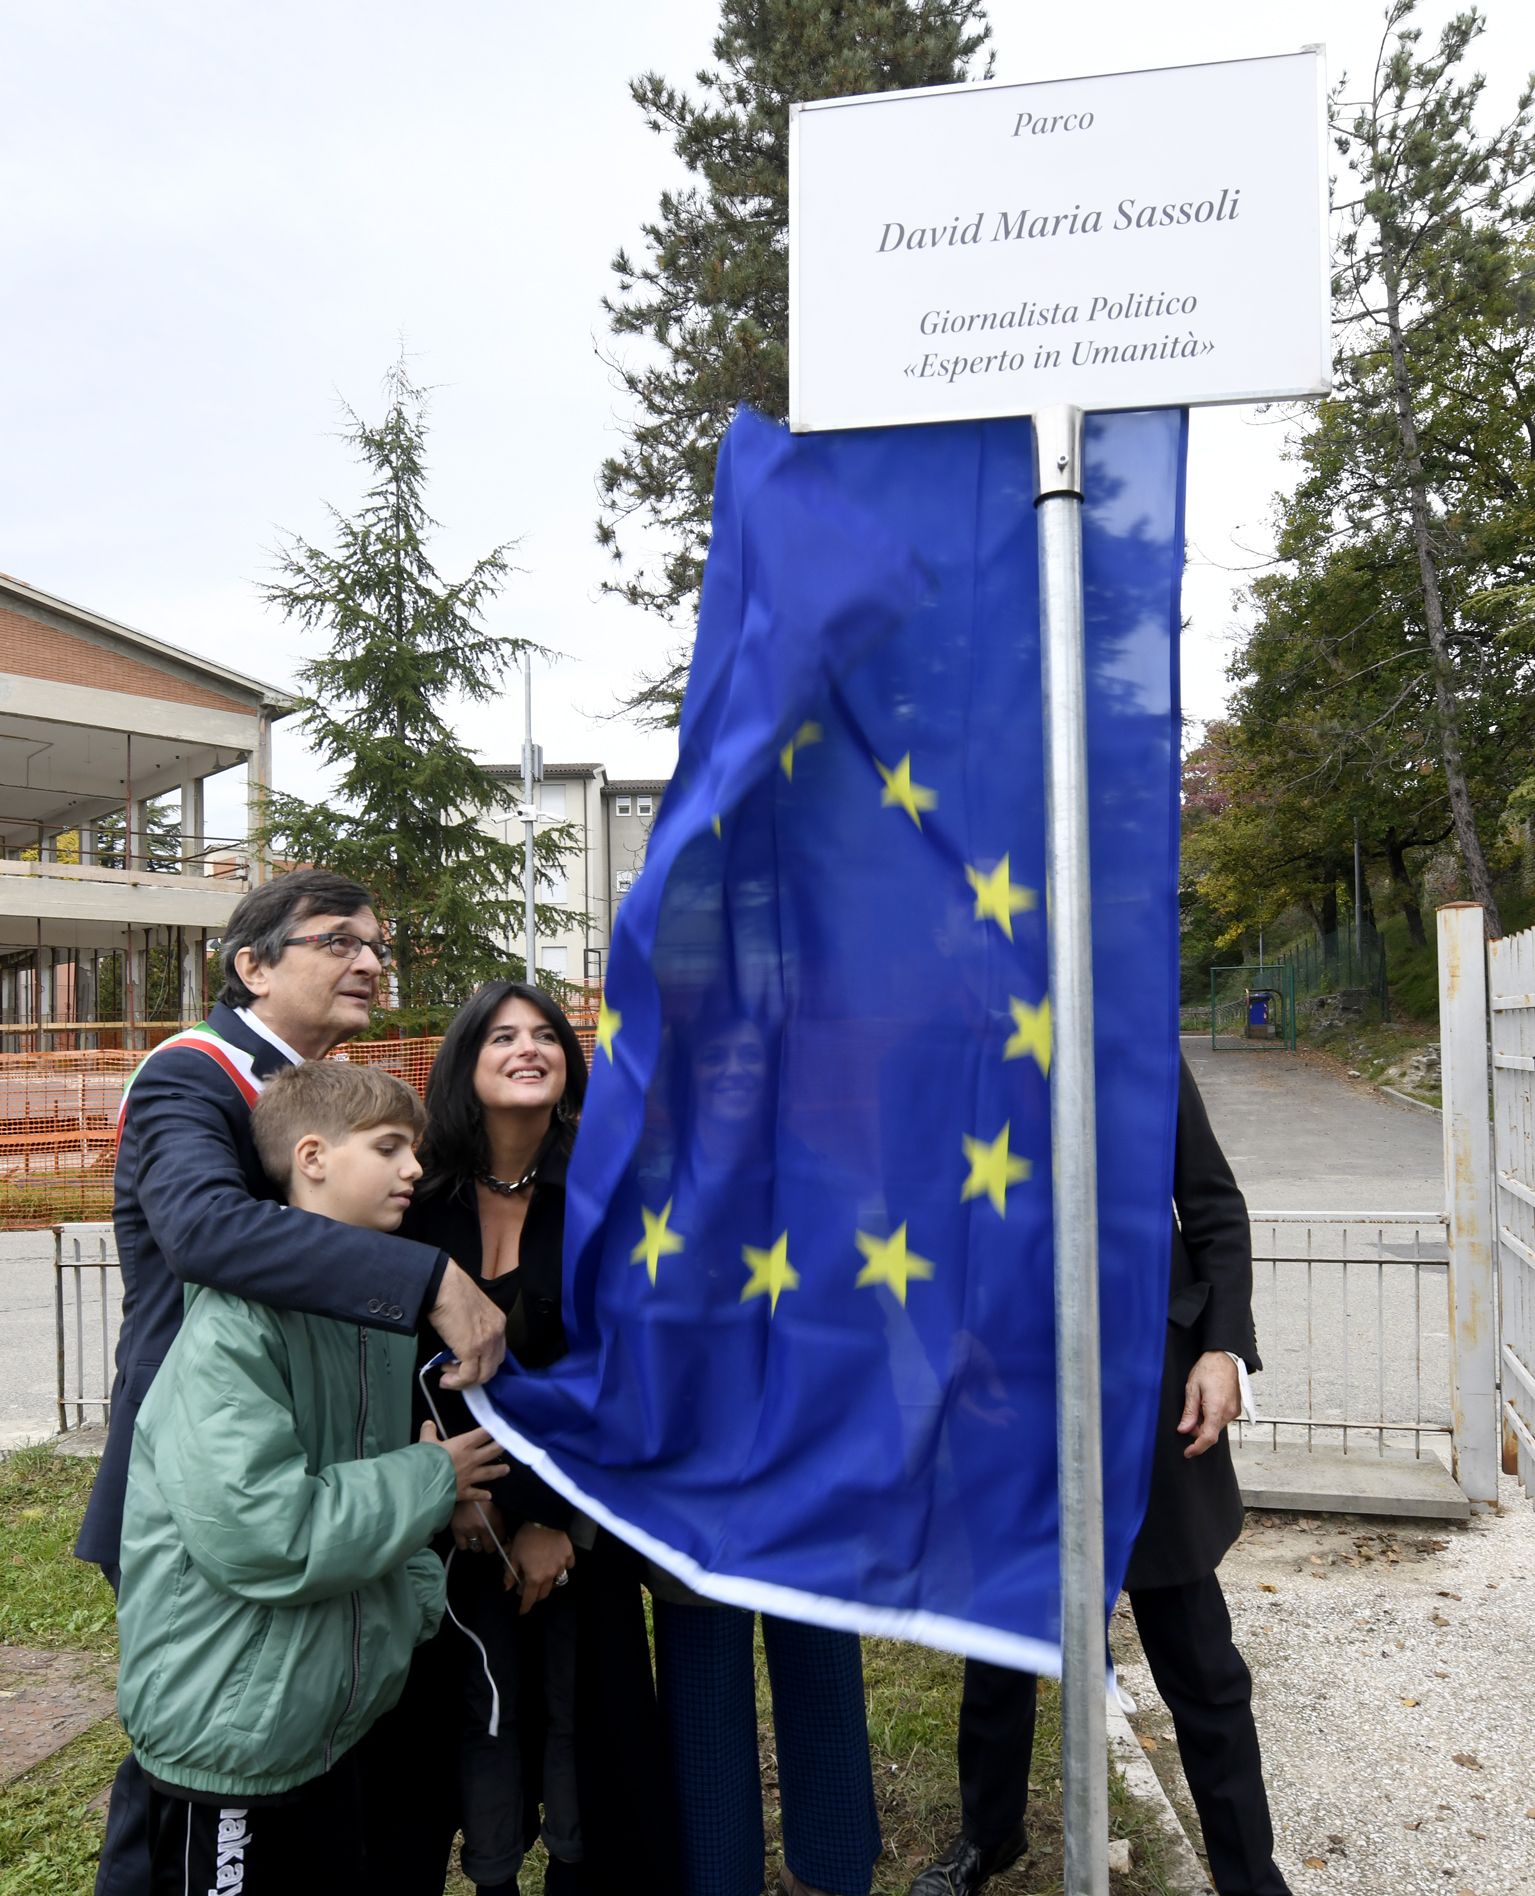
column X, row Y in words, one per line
column 712, row 294
column 405, row 644
column 1433, row 292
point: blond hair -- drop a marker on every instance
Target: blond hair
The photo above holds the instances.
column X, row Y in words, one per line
column 332, row 1098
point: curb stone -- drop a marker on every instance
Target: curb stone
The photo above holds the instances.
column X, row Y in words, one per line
column 1406, row 1099
column 1185, row 1875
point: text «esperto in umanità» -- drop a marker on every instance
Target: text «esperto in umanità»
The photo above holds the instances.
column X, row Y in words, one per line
column 1116, row 303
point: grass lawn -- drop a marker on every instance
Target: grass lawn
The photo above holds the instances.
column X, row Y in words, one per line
column 50, row 1830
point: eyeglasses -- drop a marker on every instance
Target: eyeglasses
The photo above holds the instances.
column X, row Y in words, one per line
column 343, row 946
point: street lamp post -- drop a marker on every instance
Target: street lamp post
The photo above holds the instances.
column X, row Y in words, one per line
column 529, row 917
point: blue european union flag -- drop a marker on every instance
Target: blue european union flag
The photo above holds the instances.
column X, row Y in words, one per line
column 808, row 1246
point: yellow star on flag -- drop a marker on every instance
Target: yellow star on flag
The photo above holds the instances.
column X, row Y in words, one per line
column 1031, row 1032
column 609, row 1020
column 771, row 1272
column 890, row 1262
column 993, row 1169
column 657, row 1242
column 714, row 824
column 998, row 896
column 900, row 793
column 806, row 735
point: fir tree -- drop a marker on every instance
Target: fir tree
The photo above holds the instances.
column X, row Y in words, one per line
column 1434, row 300
column 712, row 293
column 405, row 645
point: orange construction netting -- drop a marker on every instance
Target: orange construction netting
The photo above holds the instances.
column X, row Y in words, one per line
column 58, row 1122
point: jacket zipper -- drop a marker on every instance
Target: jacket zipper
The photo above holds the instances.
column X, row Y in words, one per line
column 358, row 1446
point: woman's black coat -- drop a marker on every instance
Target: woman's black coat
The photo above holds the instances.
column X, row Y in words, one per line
column 625, row 1795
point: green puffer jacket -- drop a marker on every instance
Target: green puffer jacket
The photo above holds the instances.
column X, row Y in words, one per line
column 274, row 1574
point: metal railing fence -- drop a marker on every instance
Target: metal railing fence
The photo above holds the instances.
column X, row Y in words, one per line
column 87, row 1304
column 1350, row 958
column 1352, row 1315
column 1352, row 1311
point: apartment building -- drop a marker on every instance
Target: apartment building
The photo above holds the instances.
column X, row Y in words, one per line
column 612, row 818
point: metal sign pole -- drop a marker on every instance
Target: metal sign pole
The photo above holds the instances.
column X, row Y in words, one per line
column 529, row 918
column 1073, row 1140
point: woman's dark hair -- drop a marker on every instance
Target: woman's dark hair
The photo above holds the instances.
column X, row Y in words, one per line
column 262, row 919
column 454, row 1147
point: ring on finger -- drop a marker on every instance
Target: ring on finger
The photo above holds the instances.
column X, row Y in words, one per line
column 562, row 1576
column 474, row 1543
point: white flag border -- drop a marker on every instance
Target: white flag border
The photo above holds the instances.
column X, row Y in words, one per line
column 940, row 1630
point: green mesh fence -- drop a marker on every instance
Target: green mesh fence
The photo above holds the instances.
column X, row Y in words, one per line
column 1252, row 1007
column 1342, row 977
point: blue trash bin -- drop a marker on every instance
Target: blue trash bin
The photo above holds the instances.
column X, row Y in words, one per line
column 1262, row 1009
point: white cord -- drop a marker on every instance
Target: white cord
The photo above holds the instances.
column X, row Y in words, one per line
column 494, row 1727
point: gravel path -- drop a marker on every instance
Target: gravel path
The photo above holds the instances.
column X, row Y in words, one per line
column 1395, row 1688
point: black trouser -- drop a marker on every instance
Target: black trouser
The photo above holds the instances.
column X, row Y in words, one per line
column 309, row 1845
column 1185, row 1633
column 123, row 1868
column 996, row 1744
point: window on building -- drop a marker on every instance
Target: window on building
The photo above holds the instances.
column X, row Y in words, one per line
column 621, row 805
column 644, row 806
column 551, row 799
column 554, row 959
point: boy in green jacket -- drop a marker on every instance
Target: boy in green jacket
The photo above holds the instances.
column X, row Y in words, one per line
column 275, row 1578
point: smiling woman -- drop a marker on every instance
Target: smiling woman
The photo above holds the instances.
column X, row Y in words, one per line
column 550, row 1640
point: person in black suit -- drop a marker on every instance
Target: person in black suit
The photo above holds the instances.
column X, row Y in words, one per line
column 1193, row 1514
column 191, row 1203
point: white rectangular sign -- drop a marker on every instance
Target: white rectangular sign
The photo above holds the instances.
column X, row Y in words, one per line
column 1137, row 240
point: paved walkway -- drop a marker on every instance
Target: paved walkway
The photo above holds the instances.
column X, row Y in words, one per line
column 28, row 1367
column 1351, row 1325
column 1391, row 1664
column 1392, row 1667
column 1300, row 1137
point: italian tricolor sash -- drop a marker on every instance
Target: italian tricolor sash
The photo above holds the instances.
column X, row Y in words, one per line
column 235, row 1061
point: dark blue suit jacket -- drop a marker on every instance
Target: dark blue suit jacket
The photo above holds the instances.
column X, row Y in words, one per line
column 192, row 1204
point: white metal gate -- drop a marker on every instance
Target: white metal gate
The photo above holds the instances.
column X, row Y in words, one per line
column 1352, row 1318
column 1511, row 1008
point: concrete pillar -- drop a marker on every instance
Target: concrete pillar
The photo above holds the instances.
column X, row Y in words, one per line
column 191, row 942
column 1468, row 1201
column 258, row 783
column 87, row 844
column 192, row 862
column 131, row 994
column 43, row 963
column 86, row 988
column 136, row 848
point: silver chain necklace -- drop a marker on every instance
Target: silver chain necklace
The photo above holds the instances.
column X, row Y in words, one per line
column 507, row 1187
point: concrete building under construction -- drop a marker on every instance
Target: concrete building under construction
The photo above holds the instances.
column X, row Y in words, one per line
column 110, row 887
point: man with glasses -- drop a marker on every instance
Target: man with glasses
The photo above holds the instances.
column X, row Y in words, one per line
column 301, row 957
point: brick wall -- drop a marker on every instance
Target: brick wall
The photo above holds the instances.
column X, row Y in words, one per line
column 35, row 650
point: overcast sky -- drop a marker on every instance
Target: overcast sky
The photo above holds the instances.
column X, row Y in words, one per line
column 216, row 221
